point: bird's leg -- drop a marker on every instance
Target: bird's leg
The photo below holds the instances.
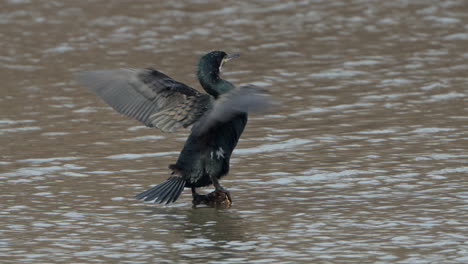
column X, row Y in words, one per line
column 219, row 188
column 198, row 198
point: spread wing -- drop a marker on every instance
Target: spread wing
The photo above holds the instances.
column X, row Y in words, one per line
column 241, row 99
column 148, row 96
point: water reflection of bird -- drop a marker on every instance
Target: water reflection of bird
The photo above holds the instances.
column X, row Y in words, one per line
column 218, row 119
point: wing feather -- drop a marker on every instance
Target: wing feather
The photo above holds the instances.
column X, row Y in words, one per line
column 241, row 99
column 158, row 101
column 148, row 96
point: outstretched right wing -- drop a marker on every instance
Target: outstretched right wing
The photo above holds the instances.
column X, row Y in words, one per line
column 241, row 99
column 148, row 96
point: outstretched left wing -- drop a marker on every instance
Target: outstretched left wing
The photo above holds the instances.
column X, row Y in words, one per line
column 148, row 96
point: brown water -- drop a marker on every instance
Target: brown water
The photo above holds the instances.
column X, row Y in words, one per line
column 366, row 162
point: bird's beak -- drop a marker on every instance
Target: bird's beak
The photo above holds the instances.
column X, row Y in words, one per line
column 228, row 58
column 231, row 56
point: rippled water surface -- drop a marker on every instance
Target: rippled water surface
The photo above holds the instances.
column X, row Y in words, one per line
column 365, row 162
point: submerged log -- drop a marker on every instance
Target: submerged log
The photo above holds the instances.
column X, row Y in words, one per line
column 213, row 199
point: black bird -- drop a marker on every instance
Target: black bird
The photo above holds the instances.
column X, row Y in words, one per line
column 218, row 118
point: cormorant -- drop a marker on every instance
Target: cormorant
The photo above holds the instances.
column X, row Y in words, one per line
column 218, row 119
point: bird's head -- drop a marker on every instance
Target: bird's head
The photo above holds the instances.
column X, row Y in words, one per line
column 209, row 68
column 213, row 61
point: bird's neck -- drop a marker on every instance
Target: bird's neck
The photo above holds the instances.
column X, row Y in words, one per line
column 209, row 78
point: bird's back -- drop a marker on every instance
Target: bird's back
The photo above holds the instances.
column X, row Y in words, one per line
column 209, row 153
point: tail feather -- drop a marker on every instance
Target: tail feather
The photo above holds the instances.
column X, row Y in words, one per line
column 159, row 192
column 168, row 191
column 152, row 190
column 176, row 193
column 181, row 186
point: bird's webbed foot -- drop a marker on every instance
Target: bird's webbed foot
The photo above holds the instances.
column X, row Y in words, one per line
column 198, row 198
column 223, row 193
column 217, row 198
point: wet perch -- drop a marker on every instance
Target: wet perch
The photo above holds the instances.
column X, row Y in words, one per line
column 217, row 118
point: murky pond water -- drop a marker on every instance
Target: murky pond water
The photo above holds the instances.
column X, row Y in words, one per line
column 365, row 162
